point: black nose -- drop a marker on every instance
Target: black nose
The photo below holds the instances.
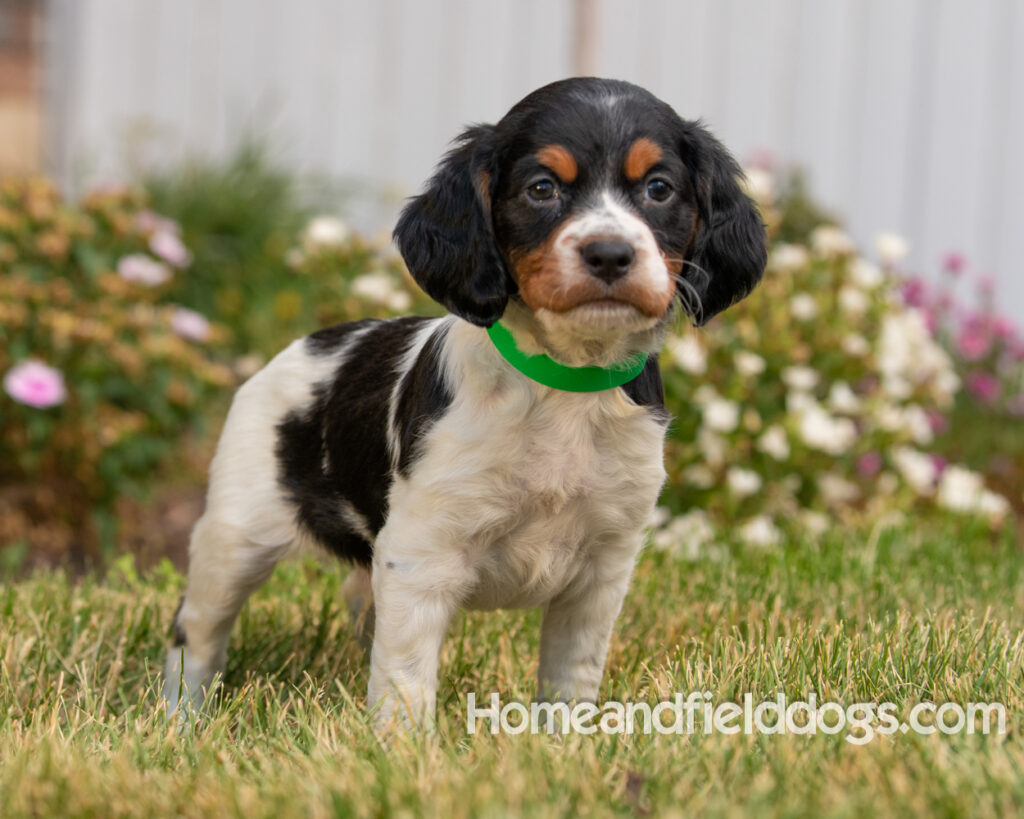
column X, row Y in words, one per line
column 609, row 261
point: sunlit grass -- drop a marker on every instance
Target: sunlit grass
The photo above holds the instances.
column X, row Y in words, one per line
column 896, row 615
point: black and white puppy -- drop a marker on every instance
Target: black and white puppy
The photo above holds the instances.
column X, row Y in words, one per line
column 415, row 450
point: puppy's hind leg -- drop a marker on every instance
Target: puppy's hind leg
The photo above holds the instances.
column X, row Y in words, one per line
column 225, row 568
column 358, row 593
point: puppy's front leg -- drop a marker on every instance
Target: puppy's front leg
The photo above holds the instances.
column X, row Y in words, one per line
column 576, row 631
column 416, row 592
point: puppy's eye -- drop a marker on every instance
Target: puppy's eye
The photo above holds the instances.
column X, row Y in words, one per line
column 659, row 190
column 542, row 190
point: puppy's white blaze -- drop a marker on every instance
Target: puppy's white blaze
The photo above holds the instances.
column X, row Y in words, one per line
column 613, row 221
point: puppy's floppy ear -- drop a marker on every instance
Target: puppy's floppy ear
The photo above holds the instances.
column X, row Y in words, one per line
column 446, row 236
column 729, row 253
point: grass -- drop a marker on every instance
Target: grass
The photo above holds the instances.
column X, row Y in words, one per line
column 893, row 615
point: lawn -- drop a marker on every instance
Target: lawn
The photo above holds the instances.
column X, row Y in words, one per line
column 895, row 614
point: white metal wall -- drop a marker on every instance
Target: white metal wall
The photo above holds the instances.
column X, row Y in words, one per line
column 909, row 114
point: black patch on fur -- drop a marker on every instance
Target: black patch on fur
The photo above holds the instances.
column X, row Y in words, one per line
column 179, row 632
column 424, row 398
column 646, row 390
column 336, row 450
column 327, row 341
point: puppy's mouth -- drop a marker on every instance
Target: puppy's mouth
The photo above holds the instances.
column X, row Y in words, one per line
column 607, row 313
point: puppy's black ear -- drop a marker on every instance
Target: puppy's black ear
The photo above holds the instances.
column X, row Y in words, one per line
column 446, row 236
column 729, row 253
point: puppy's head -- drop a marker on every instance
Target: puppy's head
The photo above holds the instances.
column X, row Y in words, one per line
column 584, row 214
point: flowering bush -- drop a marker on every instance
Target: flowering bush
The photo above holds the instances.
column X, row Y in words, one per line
column 102, row 373
column 817, row 399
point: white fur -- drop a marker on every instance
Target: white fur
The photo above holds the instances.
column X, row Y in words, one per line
column 522, row 496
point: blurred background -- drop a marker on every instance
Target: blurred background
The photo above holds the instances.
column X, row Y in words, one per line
column 907, row 115
column 188, row 185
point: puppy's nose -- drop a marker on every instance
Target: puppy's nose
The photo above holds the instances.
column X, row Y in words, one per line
column 609, row 261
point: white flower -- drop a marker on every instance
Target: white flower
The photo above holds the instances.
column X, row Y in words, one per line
column 891, row 248
column 829, row 240
column 835, row 490
column 797, row 402
column 748, row 363
column 853, row 302
column 379, row 288
column 814, row 523
column 324, row 232
column 686, row 536
column 800, row 378
column 759, row 185
column 169, row 247
column 138, row 267
column 190, row 324
column 699, row 476
column 786, row 258
column 842, row 399
column 908, row 356
column 660, row 516
column 743, row 482
column 688, row 353
column 865, row 274
column 820, row 430
column 855, row 345
column 917, row 469
column 961, row 490
column 915, row 421
column 774, row 442
column 721, row 415
column 712, row 447
column 760, row 531
column 803, row 307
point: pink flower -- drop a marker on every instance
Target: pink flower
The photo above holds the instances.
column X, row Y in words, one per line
column 940, row 463
column 190, row 324
column 1004, row 327
column 984, row 386
column 954, row 262
column 914, row 292
column 170, row 248
column 138, row 267
column 974, row 340
column 35, row 384
column 868, row 464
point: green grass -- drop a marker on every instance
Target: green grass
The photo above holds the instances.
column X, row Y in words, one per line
column 894, row 615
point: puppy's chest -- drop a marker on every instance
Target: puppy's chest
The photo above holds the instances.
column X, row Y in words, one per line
column 541, row 491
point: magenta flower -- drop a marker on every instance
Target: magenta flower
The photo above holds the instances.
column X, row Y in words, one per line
column 954, row 263
column 984, row 386
column 35, row 384
column 939, row 463
column 915, row 292
column 986, row 285
column 170, row 248
column 869, row 464
column 190, row 324
column 138, row 267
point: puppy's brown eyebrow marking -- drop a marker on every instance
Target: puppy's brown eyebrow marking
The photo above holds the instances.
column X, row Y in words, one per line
column 641, row 157
column 559, row 160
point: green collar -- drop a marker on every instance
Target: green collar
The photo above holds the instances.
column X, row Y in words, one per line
column 545, row 370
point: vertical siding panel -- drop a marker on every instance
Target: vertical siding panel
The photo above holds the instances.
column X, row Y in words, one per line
column 882, row 127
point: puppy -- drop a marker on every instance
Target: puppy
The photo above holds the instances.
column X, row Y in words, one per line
column 508, row 454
